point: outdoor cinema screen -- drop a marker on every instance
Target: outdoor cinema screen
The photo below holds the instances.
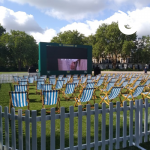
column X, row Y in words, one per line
column 66, row 58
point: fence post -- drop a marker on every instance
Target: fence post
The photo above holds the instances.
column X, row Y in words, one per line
column 62, row 128
column 124, row 124
column 140, row 119
column 6, row 128
column 131, row 124
column 103, row 125
column 43, row 129
column 80, row 127
column 13, row 129
column 117, row 146
column 1, row 129
column 34, row 130
column 88, row 126
column 111, row 126
column 136, row 123
column 71, row 127
column 146, row 121
column 20, row 129
column 96, row 126
column 52, row 139
column 27, row 123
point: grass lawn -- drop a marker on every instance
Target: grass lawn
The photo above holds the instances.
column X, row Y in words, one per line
column 11, row 72
column 35, row 104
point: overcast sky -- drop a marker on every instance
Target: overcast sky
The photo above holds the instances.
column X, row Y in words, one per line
column 45, row 18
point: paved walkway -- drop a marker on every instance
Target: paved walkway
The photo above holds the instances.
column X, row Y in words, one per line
column 123, row 72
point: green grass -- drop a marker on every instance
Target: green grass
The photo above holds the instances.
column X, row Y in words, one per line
column 11, row 72
column 35, row 104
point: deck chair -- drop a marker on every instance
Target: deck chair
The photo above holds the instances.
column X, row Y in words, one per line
column 93, row 78
column 121, row 81
column 51, row 98
column 83, row 80
column 39, row 85
column 98, row 77
column 15, row 79
column 60, row 77
column 21, row 88
column 107, row 88
column 52, row 80
column 89, row 80
column 25, row 77
column 46, row 87
column 99, row 83
column 87, row 94
column 81, row 76
column 18, row 99
column 53, row 76
column 89, row 76
column 23, row 82
column 115, row 91
column 35, row 78
column 69, row 77
column 70, row 89
column 75, row 76
column 133, row 94
column 135, row 84
column 31, row 80
column 65, row 80
column 77, row 81
column 59, row 85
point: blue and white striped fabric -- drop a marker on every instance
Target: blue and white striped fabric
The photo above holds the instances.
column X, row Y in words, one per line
column 20, row 88
column 137, row 92
column 19, row 99
column 100, row 81
column 75, row 76
column 65, row 80
column 136, row 84
column 68, row 76
column 76, row 81
column 98, row 76
column 122, row 79
column 35, row 78
column 52, row 76
column 147, row 82
column 81, row 76
column 93, row 78
column 87, row 94
column 43, row 76
column 109, row 77
column 90, row 85
column 39, row 84
column 114, row 93
column 15, row 78
column 59, row 84
column 60, row 77
column 52, row 80
column 89, row 80
column 31, row 79
column 110, row 84
column 41, row 79
column 70, row 88
column 83, row 80
column 113, row 80
column 89, row 76
column 132, row 79
column 124, row 84
column 50, row 97
column 23, row 82
column 25, row 77
column 46, row 87
column 20, row 78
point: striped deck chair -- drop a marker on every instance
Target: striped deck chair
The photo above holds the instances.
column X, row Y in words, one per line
column 90, row 85
column 83, row 80
column 65, row 80
column 59, row 84
column 23, row 82
column 132, row 80
column 81, row 76
column 70, row 90
column 93, row 78
column 31, row 79
column 43, row 76
column 51, row 98
column 21, row 88
column 75, row 76
column 133, row 94
column 53, row 76
column 125, row 84
column 69, row 77
column 60, row 77
column 77, row 81
column 35, row 78
column 108, row 78
column 121, row 81
column 39, row 85
column 20, row 78
column 115, row 91
column 89, row 76
column 98, row 77
column 99, row 83
column 46, row 87
column 18, row 99
column 89, row 80
column 107, row 88
column 25, row 77
column 135, row 84
column 87, row 94
column 15, row 79
column 52, row 80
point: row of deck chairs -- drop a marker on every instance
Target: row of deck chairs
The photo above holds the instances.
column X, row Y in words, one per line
column 88, row 92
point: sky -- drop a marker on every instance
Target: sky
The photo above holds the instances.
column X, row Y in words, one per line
column 44, row 19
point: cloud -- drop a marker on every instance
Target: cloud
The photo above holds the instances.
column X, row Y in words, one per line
column 23, row 22
column 18, row 21
column 80, row 9
column 140, row 16
column 1, row 1
column 44, row 37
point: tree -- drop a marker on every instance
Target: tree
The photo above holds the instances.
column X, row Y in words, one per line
column 69, row 37
column 22, row 48
column 2, row 30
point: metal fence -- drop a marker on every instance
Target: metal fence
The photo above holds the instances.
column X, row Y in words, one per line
column 134, row 137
